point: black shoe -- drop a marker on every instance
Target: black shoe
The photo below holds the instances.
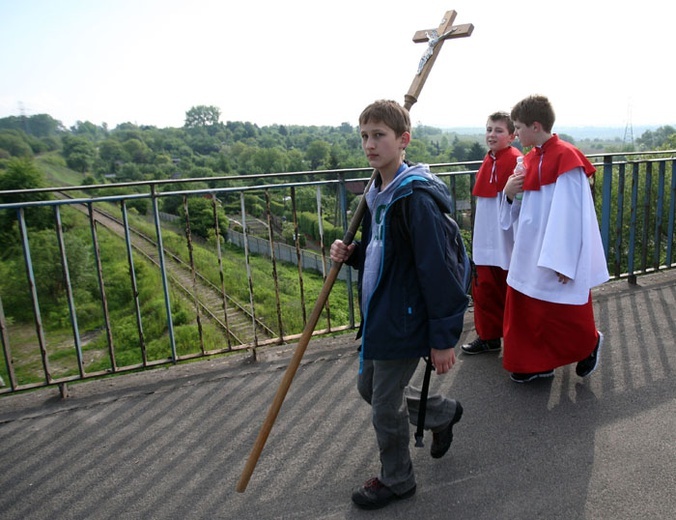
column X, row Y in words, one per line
column 441, row 441
column 373, row 494
column 479, row 346
column 589, row 364
column 527, row 378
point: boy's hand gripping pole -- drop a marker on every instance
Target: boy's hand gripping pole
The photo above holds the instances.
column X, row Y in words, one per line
column 435, row 39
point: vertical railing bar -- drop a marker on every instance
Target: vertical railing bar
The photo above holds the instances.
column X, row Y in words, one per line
column 163, row 272
column 217, row 229
column 347, row 269
column 606, row 203
column 647, row 195
column 191, row 258
column 299, row 258
column 39, row 329
column 247, row 261
column 134, row 283
column 69, row 292
column 672, row 216
column 273, row 259
column 454, row 197
column 619, row 219
column 4, row 336
column 632, row 224
column 320, row 220
column 659, row 211
column 102, row 287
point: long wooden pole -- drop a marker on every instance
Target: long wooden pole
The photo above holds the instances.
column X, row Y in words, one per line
column 304, row 340
column 300, row 350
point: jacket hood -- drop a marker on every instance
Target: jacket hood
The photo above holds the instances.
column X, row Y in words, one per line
column 419, row 177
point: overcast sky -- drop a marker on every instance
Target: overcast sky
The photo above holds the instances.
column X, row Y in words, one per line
column 317, row 62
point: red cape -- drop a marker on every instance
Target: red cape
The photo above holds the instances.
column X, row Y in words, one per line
column 545, row 163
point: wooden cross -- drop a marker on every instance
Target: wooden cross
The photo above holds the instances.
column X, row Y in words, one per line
column 447, row 31
column 435, row 39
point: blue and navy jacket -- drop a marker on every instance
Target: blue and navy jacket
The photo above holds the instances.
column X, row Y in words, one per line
column 417, row 303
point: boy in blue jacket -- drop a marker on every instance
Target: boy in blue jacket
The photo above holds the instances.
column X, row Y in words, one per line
column 412, row 306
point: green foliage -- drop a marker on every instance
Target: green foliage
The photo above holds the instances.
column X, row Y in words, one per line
column 15, row 143
column 89, row 130
column 205, row 145
column 22, row 174
column 201, row 116
column 201, row 211
column 317, row 154
column 308, row 224
column 79, row 153
column 656, row 140
column 39, row 125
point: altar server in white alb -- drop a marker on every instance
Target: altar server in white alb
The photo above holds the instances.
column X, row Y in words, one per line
column 491, row 245
column 558, row 255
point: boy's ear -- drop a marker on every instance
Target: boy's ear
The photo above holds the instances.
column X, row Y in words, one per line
column 405, row 139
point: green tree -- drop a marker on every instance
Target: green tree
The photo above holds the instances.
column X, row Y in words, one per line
column 654, row 140
column 296, row 161
column 476, row 152
column 201, row 214
column 44, row 125
column 79, row 153
column 89, row 130
column 22, row 174
column 270, row 160
column 39, row 125
column 129, row 172
column 318, row 153
column 15, row 142
column 201, row 142
column 417, row 151
column 137, row 151
column 201, row 116
column 112, row 153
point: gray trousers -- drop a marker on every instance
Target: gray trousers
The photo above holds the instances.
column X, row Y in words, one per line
column 385, row 386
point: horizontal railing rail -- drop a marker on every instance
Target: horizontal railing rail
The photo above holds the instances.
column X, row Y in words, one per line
column 103, row 279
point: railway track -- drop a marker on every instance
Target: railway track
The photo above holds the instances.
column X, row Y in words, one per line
column 240, row 328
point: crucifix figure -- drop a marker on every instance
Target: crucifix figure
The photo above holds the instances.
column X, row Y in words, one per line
column 435, row 39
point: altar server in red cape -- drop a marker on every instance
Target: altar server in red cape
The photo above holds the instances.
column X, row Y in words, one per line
column 491, row 245
column 557, row 257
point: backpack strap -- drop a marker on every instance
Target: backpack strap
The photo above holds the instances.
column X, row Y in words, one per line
column 422, row 408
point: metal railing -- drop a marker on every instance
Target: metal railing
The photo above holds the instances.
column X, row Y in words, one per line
column 226, row 289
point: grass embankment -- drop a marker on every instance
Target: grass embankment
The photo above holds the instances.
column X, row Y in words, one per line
column 58, row 333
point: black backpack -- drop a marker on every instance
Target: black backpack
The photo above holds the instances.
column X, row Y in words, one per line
column 458, row 260
column 460, row 264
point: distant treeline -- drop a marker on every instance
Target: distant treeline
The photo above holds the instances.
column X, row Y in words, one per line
column 206, row 147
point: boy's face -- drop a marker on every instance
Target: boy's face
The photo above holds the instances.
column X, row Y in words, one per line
column 382, row 147
column 497, row 135
column 526, row 134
